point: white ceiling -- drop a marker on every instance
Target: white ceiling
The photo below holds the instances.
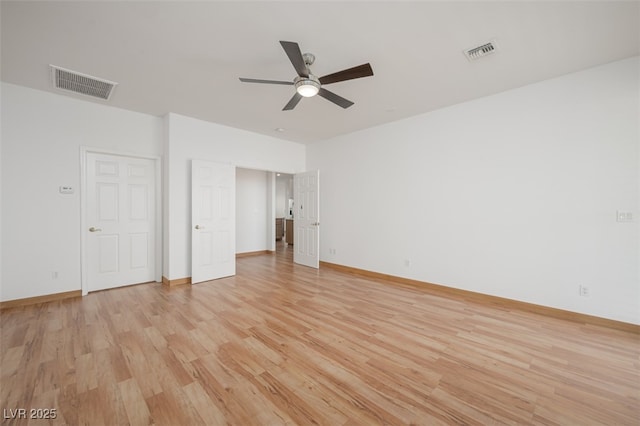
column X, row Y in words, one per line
column 186, row 57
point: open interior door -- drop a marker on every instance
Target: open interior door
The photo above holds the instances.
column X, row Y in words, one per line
column 213, row 220
column 306, row 218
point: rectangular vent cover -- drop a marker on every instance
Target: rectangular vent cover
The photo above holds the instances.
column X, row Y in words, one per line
column 81, row 83
column 480, row 51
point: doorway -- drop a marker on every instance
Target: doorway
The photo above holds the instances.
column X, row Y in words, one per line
column 284, row 210
column 263, row 199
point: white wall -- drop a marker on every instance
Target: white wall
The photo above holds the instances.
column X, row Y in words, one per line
column 281, row 196
column 284, row 191
column 251, row 210
column 41, row 138
column 188, row 138
column 513, row 195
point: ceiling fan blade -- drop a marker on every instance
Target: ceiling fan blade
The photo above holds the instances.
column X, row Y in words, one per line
column 293, row 102
column 254, row 80
column 295, row 56
column 338, row 100
column 363, row 70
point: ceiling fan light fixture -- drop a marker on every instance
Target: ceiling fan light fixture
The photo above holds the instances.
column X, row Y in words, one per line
column 307, row 86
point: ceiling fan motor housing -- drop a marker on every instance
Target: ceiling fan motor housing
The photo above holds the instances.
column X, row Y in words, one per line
column 308, row 58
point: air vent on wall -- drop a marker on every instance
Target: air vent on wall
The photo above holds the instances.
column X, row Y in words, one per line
column 480, row 51
column 81, row 83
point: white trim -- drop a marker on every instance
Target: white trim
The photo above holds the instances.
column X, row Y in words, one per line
column 271, row 211
column 84, row 150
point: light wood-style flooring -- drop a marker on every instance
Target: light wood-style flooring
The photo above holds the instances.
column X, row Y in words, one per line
column 284, row 344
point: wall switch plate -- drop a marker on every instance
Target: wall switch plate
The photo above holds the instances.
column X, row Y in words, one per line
column 583, row 291
column 624, row 216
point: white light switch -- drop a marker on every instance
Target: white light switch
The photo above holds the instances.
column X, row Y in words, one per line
column 624, row 216
column 66, row 189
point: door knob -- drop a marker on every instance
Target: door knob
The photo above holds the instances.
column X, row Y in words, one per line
column 199, row 227
column 94, row 229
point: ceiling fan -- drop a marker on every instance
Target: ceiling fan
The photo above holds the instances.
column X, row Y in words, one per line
column 307, row 84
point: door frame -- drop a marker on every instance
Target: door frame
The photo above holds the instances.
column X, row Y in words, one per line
column 84, row 151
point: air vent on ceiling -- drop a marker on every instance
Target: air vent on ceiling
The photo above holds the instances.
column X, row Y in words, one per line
column 81, row 83
column 480, row 51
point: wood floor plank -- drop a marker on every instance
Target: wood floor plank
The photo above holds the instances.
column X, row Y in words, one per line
column 206, row 409
column 134, row 403
column 283, row 344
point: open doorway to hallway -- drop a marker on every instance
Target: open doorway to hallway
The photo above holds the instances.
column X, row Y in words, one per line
column 284, row 209
column 264, row 204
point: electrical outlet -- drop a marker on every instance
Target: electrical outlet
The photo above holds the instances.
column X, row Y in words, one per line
column 583, row 291
column 332, row 251
column 407, row 263
column 54, row 275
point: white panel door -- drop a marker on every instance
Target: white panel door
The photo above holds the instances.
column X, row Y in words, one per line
column 213, row 220
column 306, row 219
column 120, row 218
